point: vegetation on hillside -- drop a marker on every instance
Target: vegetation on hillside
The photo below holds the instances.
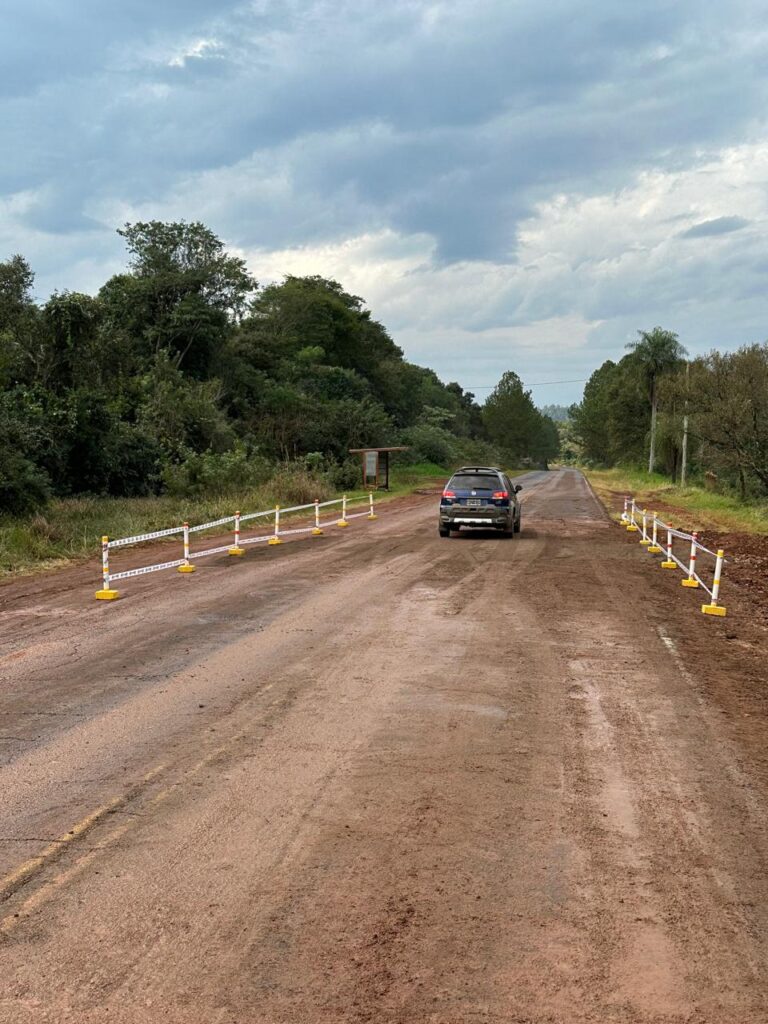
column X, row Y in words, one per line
column 182, row 377
column 693, row 507
column 723, row 397
column 558, row 413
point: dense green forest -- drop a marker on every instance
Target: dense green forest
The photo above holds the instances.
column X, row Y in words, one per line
column 558, row 413
column 633, row 413
column 183, row 376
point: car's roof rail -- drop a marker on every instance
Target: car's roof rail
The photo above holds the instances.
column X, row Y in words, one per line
column 476, row 469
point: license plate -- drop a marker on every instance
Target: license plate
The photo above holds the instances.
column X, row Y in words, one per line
column 474, row 503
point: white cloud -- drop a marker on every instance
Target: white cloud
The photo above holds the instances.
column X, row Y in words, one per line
column 507, row 185
column 197, row 50
column 590, row 270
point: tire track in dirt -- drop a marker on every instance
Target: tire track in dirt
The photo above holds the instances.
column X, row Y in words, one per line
column 464, row 780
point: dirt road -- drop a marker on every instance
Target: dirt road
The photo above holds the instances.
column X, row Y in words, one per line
column 382, row 776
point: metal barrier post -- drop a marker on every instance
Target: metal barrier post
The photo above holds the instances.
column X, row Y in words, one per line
column 276, row 538
column 645, row 538
column 317, row 532
column 670, row 563
column 237, row 550
column 624, row 516
column 714, row 608
column 186, row 567
column 106, row 593
column 632, row 525
column 655, row 547
column 343, row 520
column 371, row 514
column 690, row 580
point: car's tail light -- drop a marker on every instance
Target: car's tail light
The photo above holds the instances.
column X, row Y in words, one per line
column 501, row 494
column 448, row 494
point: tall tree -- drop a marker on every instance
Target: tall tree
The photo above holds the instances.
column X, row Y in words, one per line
column 514, row 423
column 729, row 405
column 656, row 353
column 182, row 294
column 22, row 352
column 591, row 417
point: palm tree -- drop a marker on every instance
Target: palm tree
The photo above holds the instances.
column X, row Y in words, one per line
column 657, row 352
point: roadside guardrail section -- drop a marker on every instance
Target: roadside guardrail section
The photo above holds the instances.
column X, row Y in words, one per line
column 658, row 538
column 272, row 517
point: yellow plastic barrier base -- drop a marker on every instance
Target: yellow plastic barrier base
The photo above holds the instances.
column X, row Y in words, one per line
column 317, row 532
column 371, row 516
column 713, row 609
column 669, row 565
column 186, row 568
column 644, row 541
column 342, row 522
column 236, row 551
column 632, row 529
column 107, row 595
column 274, row 540
column 689, row 583
column 654, row 549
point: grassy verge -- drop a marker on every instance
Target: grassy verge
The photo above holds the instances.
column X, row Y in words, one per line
column 70, row 530
column 699, row 508
column 405, row 479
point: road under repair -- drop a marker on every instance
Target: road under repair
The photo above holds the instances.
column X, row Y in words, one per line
column 383, row 776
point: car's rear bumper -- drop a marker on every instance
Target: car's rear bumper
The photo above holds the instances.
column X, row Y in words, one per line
column 475, row 517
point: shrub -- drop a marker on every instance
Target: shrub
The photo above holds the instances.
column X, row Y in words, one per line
column 294, row 483
column 479, row 453
column 132, row 462
column 210, row 473
column 430, row 443
column 346, row 475
column 23, row 486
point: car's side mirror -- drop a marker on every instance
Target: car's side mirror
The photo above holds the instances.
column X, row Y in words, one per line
column 518, row 487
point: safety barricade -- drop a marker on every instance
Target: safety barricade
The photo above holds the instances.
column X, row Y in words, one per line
column 658, row 538
column 272, row 517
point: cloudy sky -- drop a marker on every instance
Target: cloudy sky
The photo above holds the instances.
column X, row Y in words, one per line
column 510, row 184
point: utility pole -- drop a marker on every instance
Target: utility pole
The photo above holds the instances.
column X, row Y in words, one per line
column 652, row 452
column 684, row 459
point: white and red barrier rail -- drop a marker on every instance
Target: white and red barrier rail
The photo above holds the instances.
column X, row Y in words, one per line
column 184, row 564
column 659, row 538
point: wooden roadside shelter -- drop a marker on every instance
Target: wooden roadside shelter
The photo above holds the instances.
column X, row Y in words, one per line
column 376, row 465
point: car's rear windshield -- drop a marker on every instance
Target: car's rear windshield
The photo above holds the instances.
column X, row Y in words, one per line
column 475, row 482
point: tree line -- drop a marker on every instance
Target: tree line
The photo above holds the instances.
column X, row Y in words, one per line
column 639, row 410
column 183, row 375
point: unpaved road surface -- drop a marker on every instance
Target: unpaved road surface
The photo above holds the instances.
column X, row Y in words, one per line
column 382, row 776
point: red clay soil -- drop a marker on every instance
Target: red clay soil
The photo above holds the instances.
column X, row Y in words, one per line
column 85, row 575
column 746, row 572
column 385, row 777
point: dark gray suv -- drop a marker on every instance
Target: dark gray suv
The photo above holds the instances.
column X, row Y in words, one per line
column 480, row 496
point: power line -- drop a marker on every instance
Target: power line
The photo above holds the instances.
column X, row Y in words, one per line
column 538, row 384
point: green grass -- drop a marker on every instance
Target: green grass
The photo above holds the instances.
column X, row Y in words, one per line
column 406, row 478
column 70, row 530
column 699, row 507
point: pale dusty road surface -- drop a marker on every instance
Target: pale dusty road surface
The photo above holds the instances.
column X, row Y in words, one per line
column 382, row 776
